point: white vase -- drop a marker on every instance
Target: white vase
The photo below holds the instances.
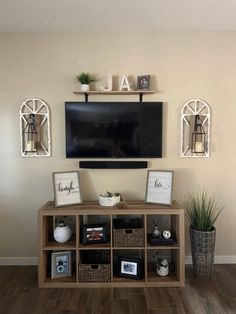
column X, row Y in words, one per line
column 162, row 268
column 84, row 87
column 156, row 233
column 62, row 233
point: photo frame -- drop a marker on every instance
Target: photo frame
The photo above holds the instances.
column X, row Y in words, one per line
column 94, row 233
column 130, row 267
column 66, row 188
column 159, row 187
column 60, row 264
column 143, row 82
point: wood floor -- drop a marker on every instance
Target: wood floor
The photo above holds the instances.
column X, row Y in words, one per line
column 19, row 294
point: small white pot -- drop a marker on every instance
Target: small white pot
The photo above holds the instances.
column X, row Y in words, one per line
column 109, row 201
column 162, row 268
column 84, row 87
column 62, row 233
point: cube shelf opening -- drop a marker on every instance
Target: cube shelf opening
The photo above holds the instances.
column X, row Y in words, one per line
column 51, row 265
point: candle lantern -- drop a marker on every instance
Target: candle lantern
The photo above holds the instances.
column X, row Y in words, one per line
column 30, row 134
column 198, row 137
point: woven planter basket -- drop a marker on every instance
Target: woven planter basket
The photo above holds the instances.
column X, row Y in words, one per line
column 203, row 248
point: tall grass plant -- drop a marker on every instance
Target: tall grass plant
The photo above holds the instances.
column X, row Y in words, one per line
column 202, row 210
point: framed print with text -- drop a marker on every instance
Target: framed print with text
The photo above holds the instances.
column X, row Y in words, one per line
column 66, row 188
column 159, row 187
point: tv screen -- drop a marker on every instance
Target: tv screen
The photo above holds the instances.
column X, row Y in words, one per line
column 113, row 129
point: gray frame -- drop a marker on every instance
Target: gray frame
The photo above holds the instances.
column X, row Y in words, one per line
column 58, row 204
column 54, row 273
column 170, row 189
column 139, row 78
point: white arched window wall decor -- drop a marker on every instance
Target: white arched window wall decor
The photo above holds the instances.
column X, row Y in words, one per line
column 193, row 111
column 35, row 128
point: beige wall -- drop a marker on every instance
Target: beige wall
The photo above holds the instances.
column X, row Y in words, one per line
column 184, row 66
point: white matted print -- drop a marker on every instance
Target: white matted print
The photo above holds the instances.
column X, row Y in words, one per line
column 129, row 268
column 159, row 187
column 66, row 188
column 61, row 264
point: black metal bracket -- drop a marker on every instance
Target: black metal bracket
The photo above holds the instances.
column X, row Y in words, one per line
column 85, row 97
column 140, row 97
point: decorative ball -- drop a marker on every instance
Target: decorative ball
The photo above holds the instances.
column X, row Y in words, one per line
column 166, row 234
column 62, row 233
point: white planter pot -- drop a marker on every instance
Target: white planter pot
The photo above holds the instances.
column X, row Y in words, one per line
column 109, row 201
column 84, row 87
column 162, row 268
column 62, row 233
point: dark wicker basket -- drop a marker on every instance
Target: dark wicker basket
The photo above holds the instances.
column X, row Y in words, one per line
column 94, row 266
column 203, row 248
column 94, row 272
column 128, row 232
column 128, row 237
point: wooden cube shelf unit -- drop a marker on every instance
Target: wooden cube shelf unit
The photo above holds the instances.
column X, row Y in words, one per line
column 79, row 213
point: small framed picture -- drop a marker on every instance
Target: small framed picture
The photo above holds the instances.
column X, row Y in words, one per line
column 143, row 82
column 130, row 267
column 95, row 233
column 159, row 187
column 61, row 264
column 66, row 188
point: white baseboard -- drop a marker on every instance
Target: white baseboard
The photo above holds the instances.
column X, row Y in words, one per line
column 17, row 261
column 219, row 259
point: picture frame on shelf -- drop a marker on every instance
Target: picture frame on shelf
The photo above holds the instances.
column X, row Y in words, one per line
column 130, row 267
column 66, row 187
column 143, row 82
column 61, row 264
column 94, row 233
column 159, row 187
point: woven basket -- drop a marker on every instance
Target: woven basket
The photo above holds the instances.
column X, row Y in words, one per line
column 94, row 272
column 203, row 248
column 128, row 237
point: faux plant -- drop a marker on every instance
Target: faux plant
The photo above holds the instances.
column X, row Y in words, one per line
column 154, row 222
column 202, row 210
column 110, row 194
column 85, row 78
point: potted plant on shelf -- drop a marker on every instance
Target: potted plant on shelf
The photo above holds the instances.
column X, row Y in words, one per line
column 202, row 212
column 85, row 79
column 109, row 199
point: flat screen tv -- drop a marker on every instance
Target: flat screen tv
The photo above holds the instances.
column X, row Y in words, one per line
column 113, row 129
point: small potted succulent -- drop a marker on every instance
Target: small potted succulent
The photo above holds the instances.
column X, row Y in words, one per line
column 202, row 212
column 109, row 199
column 85, row 79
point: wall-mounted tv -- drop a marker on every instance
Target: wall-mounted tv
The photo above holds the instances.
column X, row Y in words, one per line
column 113, row 129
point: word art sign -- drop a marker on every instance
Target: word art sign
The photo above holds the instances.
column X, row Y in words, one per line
column 159, row 187
column 66, row 188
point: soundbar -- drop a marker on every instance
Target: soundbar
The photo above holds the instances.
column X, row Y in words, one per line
column 113, row 164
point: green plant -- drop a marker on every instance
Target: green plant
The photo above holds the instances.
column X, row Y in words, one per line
column 110, row 194
column 202, row 210
column 85, row 78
